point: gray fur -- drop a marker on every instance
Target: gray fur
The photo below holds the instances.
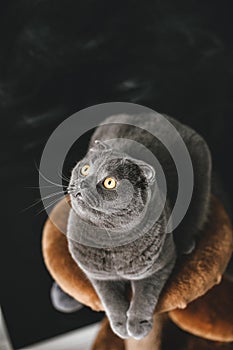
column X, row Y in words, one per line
column 62, row 301
column 146, row 262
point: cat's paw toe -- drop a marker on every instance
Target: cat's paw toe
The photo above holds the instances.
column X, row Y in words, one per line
column 119, row 327
column 138, row 328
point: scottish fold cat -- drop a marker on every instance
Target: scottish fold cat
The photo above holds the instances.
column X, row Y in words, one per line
column 112, row 232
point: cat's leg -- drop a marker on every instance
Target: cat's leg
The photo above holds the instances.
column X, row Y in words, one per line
column 62, row 301
column 145, row 297
column 113, row 295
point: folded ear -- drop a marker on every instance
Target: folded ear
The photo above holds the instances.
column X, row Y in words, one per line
column 100, row 146
column 148, row 171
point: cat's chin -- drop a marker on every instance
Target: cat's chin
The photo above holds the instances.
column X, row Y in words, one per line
column 98, row 217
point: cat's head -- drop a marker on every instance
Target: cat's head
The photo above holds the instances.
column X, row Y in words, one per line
column 110, row 189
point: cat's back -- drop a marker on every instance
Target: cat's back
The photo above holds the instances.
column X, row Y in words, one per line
column 142, row 128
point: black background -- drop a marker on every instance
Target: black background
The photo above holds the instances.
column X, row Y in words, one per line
column 57, row 57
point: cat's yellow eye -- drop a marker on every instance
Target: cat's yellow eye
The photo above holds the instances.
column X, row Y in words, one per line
column 110, row 183
column 85, row 170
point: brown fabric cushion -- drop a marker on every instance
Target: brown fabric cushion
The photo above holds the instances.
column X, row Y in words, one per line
column 210, row 316
column 193, row 276
column 196, row 273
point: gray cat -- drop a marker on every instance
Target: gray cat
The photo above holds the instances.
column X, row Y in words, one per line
column 111, row 233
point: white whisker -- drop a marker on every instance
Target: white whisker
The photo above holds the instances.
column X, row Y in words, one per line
column 49, row 205
column 41, row 199
column 63, row 177
column 46, row 179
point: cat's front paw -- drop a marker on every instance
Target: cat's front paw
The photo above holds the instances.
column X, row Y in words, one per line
column 119, row 327
column 138, row 328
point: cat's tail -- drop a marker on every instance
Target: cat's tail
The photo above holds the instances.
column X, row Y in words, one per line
column 62, row 301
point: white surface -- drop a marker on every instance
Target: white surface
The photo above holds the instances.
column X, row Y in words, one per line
column 81, row 339
column 4, row 339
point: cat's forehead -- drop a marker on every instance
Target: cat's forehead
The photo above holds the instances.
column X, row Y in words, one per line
column 107, row 163
column 105, row 157
column 117, row 166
